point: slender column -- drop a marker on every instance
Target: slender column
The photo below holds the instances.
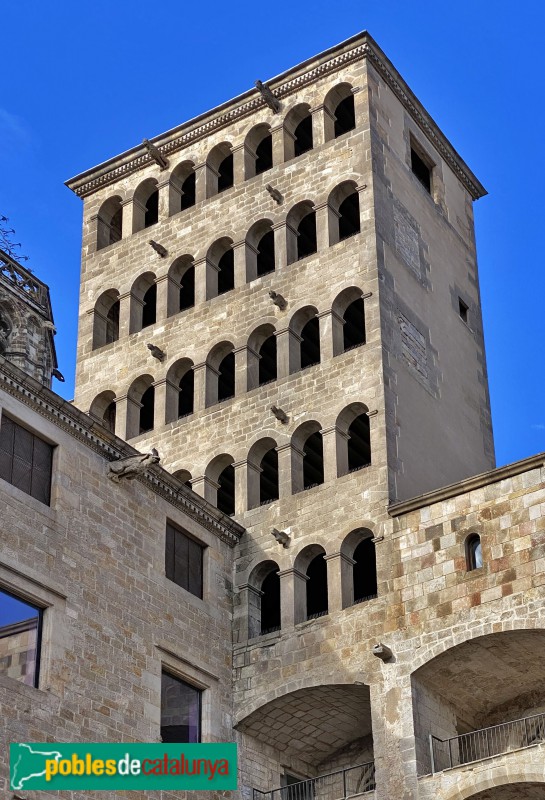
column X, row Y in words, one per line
column 250, row 262
column 138, row 215
column 174, row 198
column 121, row 407
column 164, row 199
column 135, row 317
column 212, row 272
column 253, row 496
column 200, row 280
column 127, row 218
column 329, row 124
column 199, row 371
column 241, row 369
column 200, row 182
column 239, row 258
column 340, row 584
column 249, row 162
column 330, row 325
column 296, row 469
column 277, row 134
column 171, row 401
column 284, row 338
column 162, row 297
column 335, row 453
column 280, row 246
column 125, row 314
column 159, row 403
column 206, row 487
column 93, row 233
column 318, row 136
column 239, row 173
column 292, row 597
column 322, row 226
column 250, row 606
column 284, row 470
column 246, row 476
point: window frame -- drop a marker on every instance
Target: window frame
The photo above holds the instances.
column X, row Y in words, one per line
column 416, row 148
column 11, row 456
column 170, row 563
column 165, row 670
column 39, row 630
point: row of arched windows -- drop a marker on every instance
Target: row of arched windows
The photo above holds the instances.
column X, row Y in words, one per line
column 306, row 465
column 358, row 583
column 219, row 264
column 339, row 118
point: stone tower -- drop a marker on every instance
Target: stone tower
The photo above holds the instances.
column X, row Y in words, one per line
column 26, row 321
column 282, row 297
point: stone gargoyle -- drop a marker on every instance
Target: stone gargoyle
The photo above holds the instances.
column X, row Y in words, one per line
column 133, row 466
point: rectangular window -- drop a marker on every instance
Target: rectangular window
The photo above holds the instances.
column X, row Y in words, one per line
column 20, row 631
column 421, row 169
column 183, row 560
column 180, row 710
column 25, row 460
column 463, row 310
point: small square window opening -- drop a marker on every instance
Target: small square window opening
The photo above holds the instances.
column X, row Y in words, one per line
column 463, row 310
column 421, row 170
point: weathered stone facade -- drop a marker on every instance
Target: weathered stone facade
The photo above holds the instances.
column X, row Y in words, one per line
column 311, row 695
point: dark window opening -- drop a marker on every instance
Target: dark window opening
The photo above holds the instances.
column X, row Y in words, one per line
column 187, row 289
column 359, row 443
column 345, row 116
column 184, row 560
column 25, row 460
column 149, row 310
column 303, row 137
column 421, row 170
column 463, row 310
column 354, row 325
column 108, row 420
column 474, row 553
column 147, row 410
column 317, row 587
column 180, row 710
column 226, row 273
column 365, row 571
column 152, row 209
column 267, row 361
column 268, row 478
column 226, row 491
column 115, row 226
column 297, row 788
column 185, row 394
column 306, row 236
column 188, row 192
column 349, row 216
column 265, row 254
column 112, row 323
column 225, row 173
column 20, row 639
column 226, row 378
column 310, row 343
column 313, row 461
column 270, row 603
column 263, row 155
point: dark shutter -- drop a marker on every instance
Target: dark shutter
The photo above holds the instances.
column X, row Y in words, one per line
column 183, row 560
column 25, row 460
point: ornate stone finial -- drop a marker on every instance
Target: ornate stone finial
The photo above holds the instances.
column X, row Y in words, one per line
column 133, row 466
column 278, row 300
column 268, row 96
column 382, row 651
column 163, row 252
column 156, row 351
column 58, row 375
column 156, row 154
column 280, row 415
column 281, row 537
column 274, row 193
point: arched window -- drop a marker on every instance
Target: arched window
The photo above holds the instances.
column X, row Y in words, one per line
column 182, row 187
column 311, row 562
column 109, row 222
column 140, row 406
column 344, row 212
column 220, row 374
column 359, row 579
column 353, row 439
column 145, row 205
column 298, row 131
column 181, row 285
column 301, row 231
column 474, row 553
column 258, row 151
column 184, row 476
column 262, row 473
column 219, row 169
column 143, row 302
column 339, row 113
column 348, row 320
column 307, row 457
column 103, row 408
column 221, row 476
column 106, row 319
column 304, row 342
column 262, row 363
column 260, row 258
column 220, row 268
column 180, row 390
column 264, row 599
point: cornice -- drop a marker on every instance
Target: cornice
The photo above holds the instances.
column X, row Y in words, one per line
column 467, row 485
column 357, row 48
column 86, row 430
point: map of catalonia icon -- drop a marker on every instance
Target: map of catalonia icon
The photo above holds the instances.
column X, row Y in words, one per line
column 28, row 764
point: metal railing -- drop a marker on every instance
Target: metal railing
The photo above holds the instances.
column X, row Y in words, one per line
column 493, row 741
column 338, row 785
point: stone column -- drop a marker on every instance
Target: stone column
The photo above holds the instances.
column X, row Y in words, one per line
column 249, row 601
column 296, row 469
column 124, row 314
column 335, row 453
column 135, row 318
column 171, row 401
column 284, row 346
column 241, row 370
column 206, row 487
column 280, row 246
column 284, row 470
column 162, row 297
column 329, row 124
column 163, row 188
column 277, row 134
column 322, row 226
column 293, row 599
column 127, row 218
column 159, row 403
column 200, row 280
column 121, row 407
column 174, row 198
column 318, row 136
column 138, row 215
column 199, row 371
column 239, row 172
column 239, row 259
column 340, row 584
column 246, row 477
column 200, row 182
column 331, row 328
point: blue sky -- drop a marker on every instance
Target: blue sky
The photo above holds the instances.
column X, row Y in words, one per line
column 83, row 82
